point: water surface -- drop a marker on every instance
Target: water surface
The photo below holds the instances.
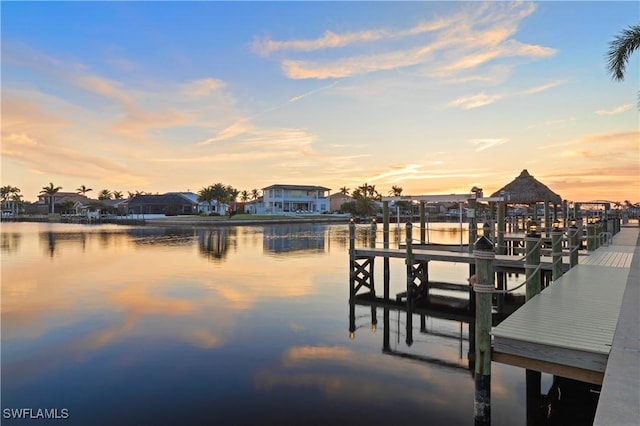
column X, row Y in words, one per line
column 239, row 325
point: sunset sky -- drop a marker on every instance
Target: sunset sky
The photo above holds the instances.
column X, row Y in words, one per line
column 435, row 97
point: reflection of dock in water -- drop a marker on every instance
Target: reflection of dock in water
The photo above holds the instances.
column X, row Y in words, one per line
column 388, row 330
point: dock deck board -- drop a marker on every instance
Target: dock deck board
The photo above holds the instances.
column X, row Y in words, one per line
column 572, row 322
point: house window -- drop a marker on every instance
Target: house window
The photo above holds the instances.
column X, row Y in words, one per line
column 278, row 192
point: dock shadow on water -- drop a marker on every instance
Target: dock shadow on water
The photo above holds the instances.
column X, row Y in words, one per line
column 232, row 326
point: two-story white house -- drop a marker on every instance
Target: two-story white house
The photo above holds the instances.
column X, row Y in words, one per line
column 295, row 199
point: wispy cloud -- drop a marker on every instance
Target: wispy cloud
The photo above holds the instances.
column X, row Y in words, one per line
column 482, row 99
column 541, row 88
column 312, row 92
column 464, row 40
column 475, row 101
column 616, row 110
column 430, row 170
column 482, row 144
column 330, row 39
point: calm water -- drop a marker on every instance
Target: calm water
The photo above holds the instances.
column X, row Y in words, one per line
column 240, row 325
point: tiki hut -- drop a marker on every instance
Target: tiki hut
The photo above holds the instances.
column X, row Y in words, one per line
column 525, row 189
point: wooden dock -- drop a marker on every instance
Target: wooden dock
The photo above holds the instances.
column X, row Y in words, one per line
column 502, row 262
column 568, row 329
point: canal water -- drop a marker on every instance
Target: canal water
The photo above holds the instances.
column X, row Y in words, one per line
column 247, row 325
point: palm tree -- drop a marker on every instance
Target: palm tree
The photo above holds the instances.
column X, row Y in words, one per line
column 232, row 195
column 344, row 190
column 12, row 193
column 83, row 190
column 51, row 191
column 205, row 195
column 255, row 194
column 16, row 202
column 244, row 196
column 105, row 194
column 117, row 195
column 396, row 191
column 368, row 190
column 364, row 205
column 620, row 49
column 135, row 193
column 220, row 193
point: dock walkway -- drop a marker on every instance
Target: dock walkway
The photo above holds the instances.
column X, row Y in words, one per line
column 619, row 402
column 585, row 326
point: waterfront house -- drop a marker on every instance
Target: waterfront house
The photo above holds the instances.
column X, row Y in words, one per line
column 295, row 199
column 43, row 205
column 214, row 207
column 170, row 204
column 254, row 206
column 338, row 199
column 173, row 203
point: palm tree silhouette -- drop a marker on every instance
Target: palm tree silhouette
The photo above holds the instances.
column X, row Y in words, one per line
column 105, row 194
column 205, row 195
column 396, row 191
column 51, row 191
column 83, row 190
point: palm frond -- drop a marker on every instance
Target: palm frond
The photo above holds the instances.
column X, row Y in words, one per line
column 620, row 49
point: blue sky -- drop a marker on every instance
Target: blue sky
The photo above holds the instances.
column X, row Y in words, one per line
column 435, row 97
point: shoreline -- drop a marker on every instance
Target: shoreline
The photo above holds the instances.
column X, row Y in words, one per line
column 186, row 221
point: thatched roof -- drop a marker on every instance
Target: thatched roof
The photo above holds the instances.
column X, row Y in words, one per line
column 525, row 189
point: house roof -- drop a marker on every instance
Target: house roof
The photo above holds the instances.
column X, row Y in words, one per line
column 340, row 195
column 169, row 198
column 525, row 189
column 302, row 187
column 61, row 197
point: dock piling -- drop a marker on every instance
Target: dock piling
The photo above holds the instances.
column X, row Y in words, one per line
column 556, row 251
column 411, row 290
column 484, row 287
column 385, row 244
column 532, row 261
column 574, row 244
column 591, row 235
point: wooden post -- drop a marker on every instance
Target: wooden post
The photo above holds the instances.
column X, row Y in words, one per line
column 410, row 285
column 385, row 244
column 532, row 261
column 352, row 259
column 556, row 252
column 591, row 236
column 502, row 212
column 484, row 257
column 574, row 244
column 547, row 219
column 374, row 231
column 423, row 229
column 473, row 225
column 501, row 278
column 352, row 278
column 473, row 230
